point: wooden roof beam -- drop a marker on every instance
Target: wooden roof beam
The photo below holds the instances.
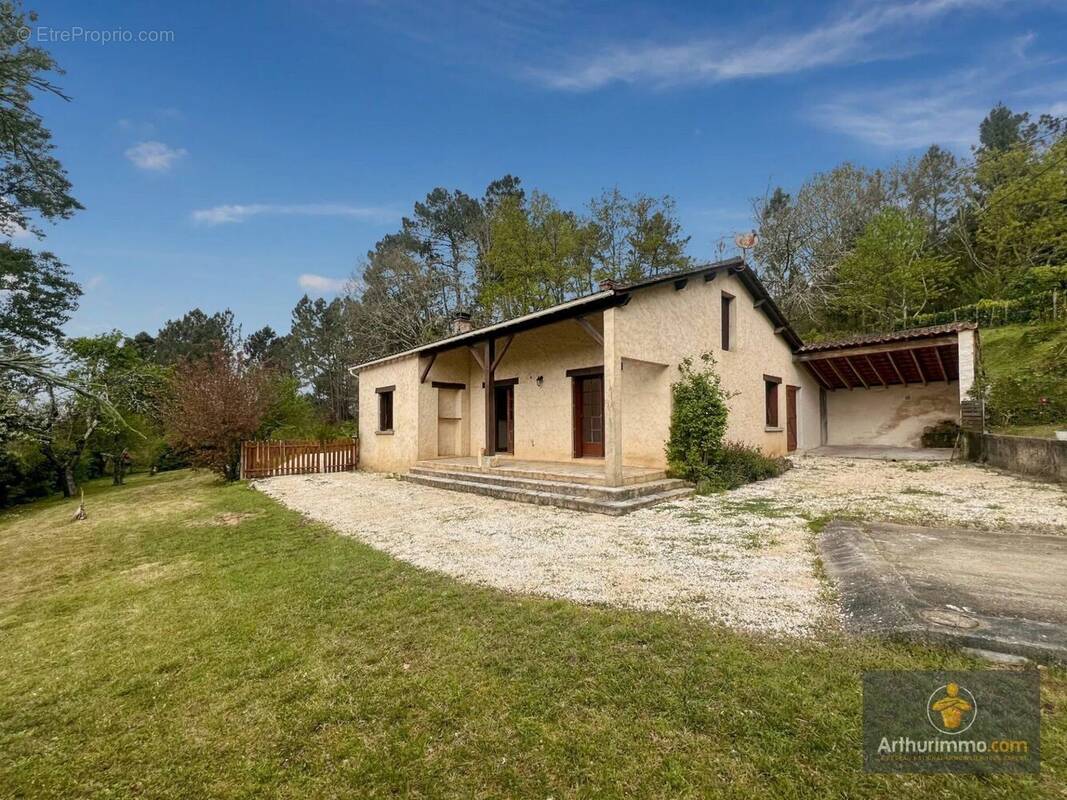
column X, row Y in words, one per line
column 896, row 369
column 941, row 364
column 840, row 377
column 503, row 351
column 918, row 366
column 856, row 372
column 819, row 378
column 427, row 368
column 587, row 326
column 874, row 369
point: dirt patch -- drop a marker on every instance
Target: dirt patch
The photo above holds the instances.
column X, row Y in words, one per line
column 227, row 519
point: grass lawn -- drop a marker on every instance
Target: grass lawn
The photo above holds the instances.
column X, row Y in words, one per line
column 197, row 640
column 1017, row 351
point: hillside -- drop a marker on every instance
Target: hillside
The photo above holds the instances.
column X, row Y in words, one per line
column 1026, row 366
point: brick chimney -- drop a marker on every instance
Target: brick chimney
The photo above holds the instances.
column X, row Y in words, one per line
column 461, row 323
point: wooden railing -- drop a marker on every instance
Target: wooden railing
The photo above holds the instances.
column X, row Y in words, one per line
column 269, row 459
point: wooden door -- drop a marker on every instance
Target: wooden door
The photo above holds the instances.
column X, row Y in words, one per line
column 589, row 416
column 791, row 418
column 505, row 419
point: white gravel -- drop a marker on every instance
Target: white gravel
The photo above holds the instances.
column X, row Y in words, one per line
column 744, row 558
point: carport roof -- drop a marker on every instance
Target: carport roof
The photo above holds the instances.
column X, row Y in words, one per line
column 919, row 355
column 886, row 338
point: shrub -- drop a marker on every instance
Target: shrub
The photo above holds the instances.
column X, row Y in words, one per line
column 698, row 420
column 943, row 434
column 737, row 464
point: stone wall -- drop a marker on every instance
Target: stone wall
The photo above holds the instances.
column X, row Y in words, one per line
column 1042, row 458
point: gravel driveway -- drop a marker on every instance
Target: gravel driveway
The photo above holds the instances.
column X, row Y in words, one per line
column 744, row 558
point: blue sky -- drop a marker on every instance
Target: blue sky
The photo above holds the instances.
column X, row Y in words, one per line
column 264, row 149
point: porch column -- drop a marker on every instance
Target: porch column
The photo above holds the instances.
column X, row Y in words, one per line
column 490, row 399
column 612, row 400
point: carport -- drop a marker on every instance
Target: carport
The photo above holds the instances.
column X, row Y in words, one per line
column 885, row 389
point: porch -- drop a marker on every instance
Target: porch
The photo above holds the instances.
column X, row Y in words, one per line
column 583, row 471
column 579, row 484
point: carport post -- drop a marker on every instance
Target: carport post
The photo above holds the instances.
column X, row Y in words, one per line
column 612, row 401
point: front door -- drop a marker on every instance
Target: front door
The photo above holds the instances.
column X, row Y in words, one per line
column 791, row 418
column 589, row 416
column 504, row 397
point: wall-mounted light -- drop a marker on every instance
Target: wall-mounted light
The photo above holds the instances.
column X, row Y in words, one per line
column 540, row 380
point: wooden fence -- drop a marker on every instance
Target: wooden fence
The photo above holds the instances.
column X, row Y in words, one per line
column 268, row 459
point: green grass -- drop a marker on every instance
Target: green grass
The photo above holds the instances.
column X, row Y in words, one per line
column 1017, row 352
column 1039, row 431
column 152, row 651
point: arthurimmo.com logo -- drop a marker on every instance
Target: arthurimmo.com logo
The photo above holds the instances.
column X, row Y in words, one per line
column 980, row 722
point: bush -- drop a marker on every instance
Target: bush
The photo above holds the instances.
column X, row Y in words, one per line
column 698, row 420
column 24, row 474
column 737, row 464
column 943, row 434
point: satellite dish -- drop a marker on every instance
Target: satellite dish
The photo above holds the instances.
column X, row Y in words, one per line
column 746, row 241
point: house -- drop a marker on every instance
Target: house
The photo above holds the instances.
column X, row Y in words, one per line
column 573, row 402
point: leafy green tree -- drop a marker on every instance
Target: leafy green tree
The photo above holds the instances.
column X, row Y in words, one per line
column 1023, row 223
column 804, row 237
column 269, row 349
column 37, row 297
column 323, row 346
column 398, row 303
column 657, row 245
column 891, row 275
column 540, row 255
column 443, row 226
column 933, row 188
column 134, row 387
column 1001, row 129
column 32, row 181
column 196, row 335
column 636, row 238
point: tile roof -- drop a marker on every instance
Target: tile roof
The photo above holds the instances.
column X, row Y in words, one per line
column 860, row 340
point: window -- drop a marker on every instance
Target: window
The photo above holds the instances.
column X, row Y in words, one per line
column 770, row 388
column 727, row 303
column 385, row 409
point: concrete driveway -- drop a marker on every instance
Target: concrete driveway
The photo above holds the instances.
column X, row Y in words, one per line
column 996, row 590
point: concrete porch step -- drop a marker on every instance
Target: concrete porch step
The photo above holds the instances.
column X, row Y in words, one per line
column 545, row 471
column 551, row 493
column 573, row 488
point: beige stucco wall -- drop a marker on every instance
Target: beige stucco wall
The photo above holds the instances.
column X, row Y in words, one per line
column 399, row 450
column 543, row 414
column 657, row 329
column 665, row 325
column 893, row 415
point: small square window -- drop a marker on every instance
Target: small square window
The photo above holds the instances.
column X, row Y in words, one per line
column 385, row 410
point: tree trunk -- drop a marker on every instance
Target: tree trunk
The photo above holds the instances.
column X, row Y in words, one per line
column 61, row 479
column 69, row 484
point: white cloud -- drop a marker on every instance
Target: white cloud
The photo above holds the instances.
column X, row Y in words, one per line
column 320, row 284
column 225, row 214
column 154, row 156
column 906, row 117
column 843, row 40
column 94, row 283
column 941, row 109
